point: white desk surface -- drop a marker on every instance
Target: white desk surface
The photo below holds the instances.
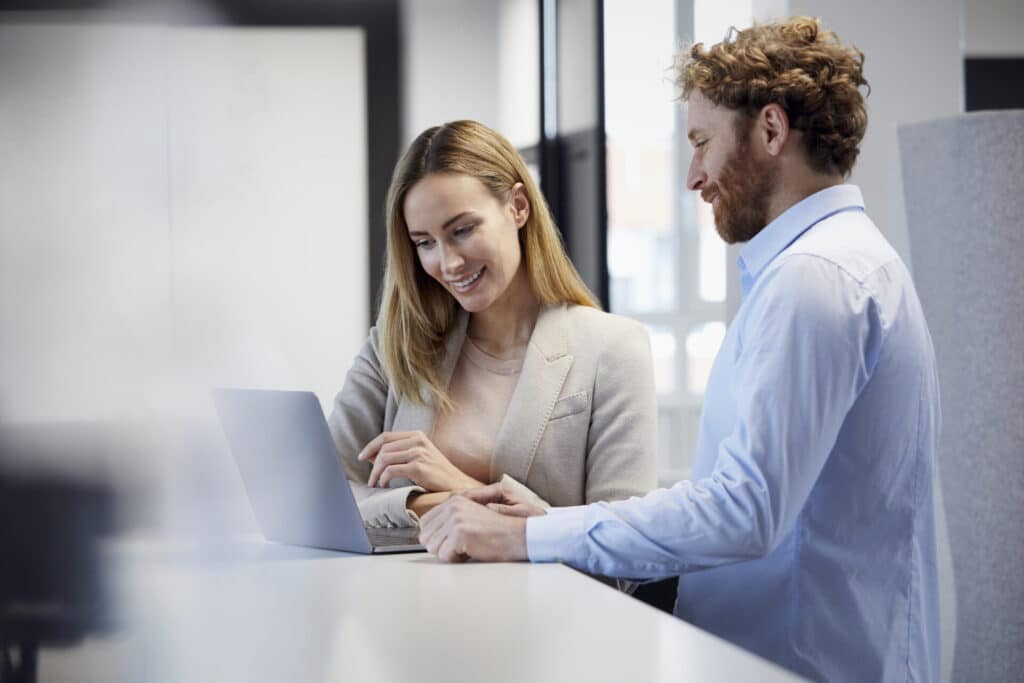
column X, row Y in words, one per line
column 279, row 613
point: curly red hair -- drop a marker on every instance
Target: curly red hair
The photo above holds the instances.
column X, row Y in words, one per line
column 799, row 66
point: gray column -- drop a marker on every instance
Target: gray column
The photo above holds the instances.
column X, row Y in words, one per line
column 963, row 179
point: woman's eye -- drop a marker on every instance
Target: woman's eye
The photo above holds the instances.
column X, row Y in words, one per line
column 463, row 231
column 423, row 244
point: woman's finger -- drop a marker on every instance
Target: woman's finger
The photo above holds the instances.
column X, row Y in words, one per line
column 382, row 461
column 371, row 449
column 407, row 470
column 398, row 445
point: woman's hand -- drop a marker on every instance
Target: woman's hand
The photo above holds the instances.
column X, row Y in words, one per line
column 422, row 503
column 413, row 456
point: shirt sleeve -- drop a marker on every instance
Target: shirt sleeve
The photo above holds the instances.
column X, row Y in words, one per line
column 805, row 350
column 557, row 536
column 386, row 507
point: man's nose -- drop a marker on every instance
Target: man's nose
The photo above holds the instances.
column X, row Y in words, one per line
column 696, row 178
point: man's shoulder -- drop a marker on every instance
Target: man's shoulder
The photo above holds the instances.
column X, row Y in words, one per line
column 847, row 242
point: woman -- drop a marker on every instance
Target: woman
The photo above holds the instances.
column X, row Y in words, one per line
column 490, row 359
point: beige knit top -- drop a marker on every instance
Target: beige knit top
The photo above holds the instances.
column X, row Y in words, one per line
column 482, row 387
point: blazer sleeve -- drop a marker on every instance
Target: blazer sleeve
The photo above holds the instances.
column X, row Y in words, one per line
column 357, row 417
column 622, row 441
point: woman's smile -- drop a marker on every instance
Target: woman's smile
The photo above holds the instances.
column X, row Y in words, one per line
column 467, row 284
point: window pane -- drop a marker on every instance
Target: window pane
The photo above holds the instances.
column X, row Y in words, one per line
column 663, row 347
column 677, row 438
column 702, row 345
column 639, row 118
column 712, row 18
column 711, row 283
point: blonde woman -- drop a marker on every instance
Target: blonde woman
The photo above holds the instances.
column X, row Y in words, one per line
column 490, row 360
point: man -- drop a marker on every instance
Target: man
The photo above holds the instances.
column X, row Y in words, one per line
column 807, row 533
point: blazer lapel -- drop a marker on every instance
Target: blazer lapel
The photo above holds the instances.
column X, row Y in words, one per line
column 410, row 417
column 545, row 367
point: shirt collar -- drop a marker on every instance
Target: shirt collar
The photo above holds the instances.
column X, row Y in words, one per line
column 790, row 225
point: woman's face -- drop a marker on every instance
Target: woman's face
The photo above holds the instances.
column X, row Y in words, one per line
column 465, row 238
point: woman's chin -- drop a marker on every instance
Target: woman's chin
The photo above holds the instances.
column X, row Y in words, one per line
column 473, row 304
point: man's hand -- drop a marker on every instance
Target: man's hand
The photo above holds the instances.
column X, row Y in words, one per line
column 497, row 498
column 461, row 529
column 414, row 456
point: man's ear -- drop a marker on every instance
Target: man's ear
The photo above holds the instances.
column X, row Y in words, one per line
column 520, row 204
column 773, row 128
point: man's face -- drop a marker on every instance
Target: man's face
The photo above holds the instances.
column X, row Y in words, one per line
column 727, row 171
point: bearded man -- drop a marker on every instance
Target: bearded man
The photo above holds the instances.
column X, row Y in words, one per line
column 807, row 534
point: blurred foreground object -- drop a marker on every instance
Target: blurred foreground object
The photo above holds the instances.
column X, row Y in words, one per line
column 53, row 517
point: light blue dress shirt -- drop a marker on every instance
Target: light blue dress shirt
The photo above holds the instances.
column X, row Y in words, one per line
column 807, row 534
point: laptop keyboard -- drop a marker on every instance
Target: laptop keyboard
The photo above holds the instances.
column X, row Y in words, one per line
column 382, row 538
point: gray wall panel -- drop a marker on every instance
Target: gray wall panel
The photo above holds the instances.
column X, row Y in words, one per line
column 963, row 181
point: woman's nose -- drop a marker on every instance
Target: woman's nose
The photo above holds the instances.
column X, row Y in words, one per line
column 451, row 260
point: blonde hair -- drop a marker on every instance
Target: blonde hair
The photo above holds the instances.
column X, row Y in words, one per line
column 416, row 312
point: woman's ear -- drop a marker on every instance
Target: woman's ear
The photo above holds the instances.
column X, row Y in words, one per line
column 520, row 204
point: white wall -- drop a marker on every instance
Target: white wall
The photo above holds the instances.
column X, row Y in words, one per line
column 993, row 28
column 471, row 59
column 915, row 68
column 179, row 208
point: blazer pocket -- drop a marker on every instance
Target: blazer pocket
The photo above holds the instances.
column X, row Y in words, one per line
column 570, row 405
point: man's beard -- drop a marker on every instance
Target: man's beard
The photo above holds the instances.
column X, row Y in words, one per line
column 743, row 189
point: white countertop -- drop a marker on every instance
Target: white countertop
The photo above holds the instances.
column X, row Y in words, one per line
column 264, row 612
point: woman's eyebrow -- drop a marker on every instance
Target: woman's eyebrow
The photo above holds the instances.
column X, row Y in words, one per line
column 447, row 224
column 453, row 219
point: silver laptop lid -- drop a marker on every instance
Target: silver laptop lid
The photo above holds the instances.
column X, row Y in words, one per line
column 290, row 467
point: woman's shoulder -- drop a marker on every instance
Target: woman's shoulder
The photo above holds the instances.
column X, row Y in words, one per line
column 595, row 321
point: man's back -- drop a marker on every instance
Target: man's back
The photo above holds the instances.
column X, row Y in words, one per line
column 830, row 360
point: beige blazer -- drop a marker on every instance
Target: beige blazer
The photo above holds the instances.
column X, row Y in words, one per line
column 581, row 425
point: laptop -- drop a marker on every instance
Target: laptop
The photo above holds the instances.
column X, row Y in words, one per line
column 293, row 477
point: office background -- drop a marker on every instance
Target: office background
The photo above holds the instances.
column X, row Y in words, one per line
column 191, row 194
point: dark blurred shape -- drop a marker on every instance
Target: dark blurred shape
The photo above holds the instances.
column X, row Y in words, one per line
column 993, row 83
column 572, row 159
column 659, row 594
column 52, row 519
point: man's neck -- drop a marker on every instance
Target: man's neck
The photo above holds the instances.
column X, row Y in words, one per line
column 797, row 187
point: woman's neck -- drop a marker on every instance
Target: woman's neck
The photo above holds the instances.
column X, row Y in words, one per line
column 507, row 324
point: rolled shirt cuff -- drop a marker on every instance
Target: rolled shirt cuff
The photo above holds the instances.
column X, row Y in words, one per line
column 558, row 536
column 384, row 508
